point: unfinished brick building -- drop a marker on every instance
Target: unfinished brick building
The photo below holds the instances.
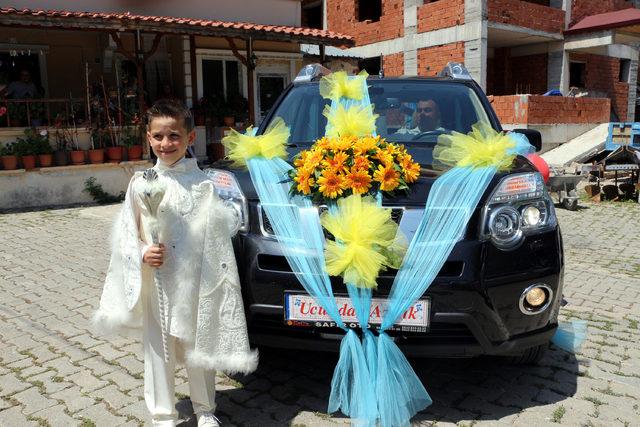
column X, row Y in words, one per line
column 515, row 49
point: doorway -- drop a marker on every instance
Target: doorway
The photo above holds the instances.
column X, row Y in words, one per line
column 270, row 86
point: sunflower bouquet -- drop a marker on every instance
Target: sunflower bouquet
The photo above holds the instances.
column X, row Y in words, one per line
column 340, row 166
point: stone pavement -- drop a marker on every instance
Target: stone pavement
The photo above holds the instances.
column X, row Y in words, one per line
column 54, row 372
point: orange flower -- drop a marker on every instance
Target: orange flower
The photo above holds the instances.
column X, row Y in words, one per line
column 313, row 159
column 361, row 162
column 323, row 143
column 358, row 180
column 384, row 157
column 305, row 181
column 410, row 169
column 364, row 145
column 300, row 160
column 331, row 184
column 388, row 177
column 342, row 143
column 336, row 163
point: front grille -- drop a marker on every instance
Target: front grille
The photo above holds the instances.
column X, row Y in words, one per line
column 267, row 229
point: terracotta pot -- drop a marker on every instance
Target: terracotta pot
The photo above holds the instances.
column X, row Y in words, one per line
column 114, row 154
column 229, row 121
column 9, row 162
column 61, row 158
column 77, row 157
column 96, row 156
column 46, row 160
column 28, row 162
column 134, row 152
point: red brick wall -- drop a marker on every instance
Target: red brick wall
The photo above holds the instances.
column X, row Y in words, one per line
column 394, row 65
column 602, row 75
column 531, row 109
column 431, row 60
column 526, row 14
column 342, row 17
column 583, row 8
column 440, row 14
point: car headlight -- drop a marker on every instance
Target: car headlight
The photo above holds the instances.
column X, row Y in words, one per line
column 518, row 207
column 229, row 190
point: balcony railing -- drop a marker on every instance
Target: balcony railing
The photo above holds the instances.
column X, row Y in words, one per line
column 42, row 112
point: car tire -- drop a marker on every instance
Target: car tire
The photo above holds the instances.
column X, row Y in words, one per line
column 530, row 356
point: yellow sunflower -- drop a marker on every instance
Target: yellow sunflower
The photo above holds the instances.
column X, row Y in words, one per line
column 337, row 162
column 361, row 162
column 384, row 157
column 305, row 181
column 358, row 180
column 313, row 159
column 410, row 169
column 323, row 143
column 342, row 143
column 364, row 145
column 388, row 177
column 331, row 184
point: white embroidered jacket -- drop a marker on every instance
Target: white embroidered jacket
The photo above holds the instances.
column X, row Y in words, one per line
column 199, row 273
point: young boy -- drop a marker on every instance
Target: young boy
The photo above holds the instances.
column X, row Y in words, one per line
column 198, row 316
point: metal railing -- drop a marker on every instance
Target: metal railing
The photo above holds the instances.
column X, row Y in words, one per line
column 41, row 112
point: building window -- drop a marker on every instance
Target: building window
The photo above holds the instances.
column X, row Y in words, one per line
column 312, row 14
column 577, row 72
column 369, row 10
column 370, row 65
column 625, row 67
column 222, row 78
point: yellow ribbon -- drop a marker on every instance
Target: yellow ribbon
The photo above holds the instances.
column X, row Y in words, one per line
column 339, row 85
column 482, row 147
column 268, row 145
column 366, row 241
column 357, row 120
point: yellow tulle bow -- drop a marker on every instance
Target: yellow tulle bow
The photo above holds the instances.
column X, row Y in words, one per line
column 366, row 241
column 482, row 147
column 268, row 145
column 357, row 120
column 339, row 85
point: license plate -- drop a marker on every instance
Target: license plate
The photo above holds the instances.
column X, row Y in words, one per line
column 302, row 310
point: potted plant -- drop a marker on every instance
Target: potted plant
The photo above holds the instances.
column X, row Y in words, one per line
column 96, row 153
column 240, row 107
column 131, row 138
column 63, row 142
column 27, row 150
column 45, row 152
column 114, row 153
column 8, row 156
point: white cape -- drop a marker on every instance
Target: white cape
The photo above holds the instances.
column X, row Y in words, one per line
column 199, row 273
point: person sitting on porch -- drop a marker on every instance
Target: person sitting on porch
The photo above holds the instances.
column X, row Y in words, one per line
column 21, row 89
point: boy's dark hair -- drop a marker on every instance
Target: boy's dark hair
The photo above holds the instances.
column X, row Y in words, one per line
column 170, row 108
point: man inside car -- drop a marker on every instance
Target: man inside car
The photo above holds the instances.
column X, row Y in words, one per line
column 425, row 118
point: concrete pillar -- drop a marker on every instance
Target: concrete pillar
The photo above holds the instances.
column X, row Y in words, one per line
column 410, row 30
column 633, row 83
column 187, row 71
column 558, row 68
column 475, row 48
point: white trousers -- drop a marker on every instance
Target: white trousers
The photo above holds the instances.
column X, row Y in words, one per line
column 159, row 376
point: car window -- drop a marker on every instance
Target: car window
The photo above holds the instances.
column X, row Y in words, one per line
column 414, row 113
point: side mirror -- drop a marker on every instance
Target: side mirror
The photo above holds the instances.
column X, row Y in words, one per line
column 534, row 137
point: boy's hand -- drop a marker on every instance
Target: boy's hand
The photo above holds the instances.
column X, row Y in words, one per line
column 154, row 256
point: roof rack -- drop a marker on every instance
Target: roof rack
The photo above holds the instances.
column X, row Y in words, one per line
column 455, row 70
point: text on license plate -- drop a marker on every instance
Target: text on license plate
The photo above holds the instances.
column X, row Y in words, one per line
column 302, row 309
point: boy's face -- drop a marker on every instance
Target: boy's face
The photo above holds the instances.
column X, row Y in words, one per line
column 169, row 139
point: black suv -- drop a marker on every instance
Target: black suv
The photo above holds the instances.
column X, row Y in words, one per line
column 498, row 293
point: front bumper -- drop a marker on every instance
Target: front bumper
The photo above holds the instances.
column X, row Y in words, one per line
column 474, row 300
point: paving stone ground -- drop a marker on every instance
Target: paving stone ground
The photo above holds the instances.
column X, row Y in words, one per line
column 54, row 372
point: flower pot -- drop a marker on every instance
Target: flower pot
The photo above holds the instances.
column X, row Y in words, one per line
column 9, row 162
column 46, row 160
column 134, row 152
column 28, row 162
column 114, row 154
column 96, row 156
column 229, row 121
column 77, row 157
column 60, row 157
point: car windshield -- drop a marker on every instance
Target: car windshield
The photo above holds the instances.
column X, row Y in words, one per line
column 413, row 113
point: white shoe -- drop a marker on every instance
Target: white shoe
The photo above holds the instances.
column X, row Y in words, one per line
column 207, row 419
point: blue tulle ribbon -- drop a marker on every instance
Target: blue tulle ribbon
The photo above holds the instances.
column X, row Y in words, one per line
column 570, row 335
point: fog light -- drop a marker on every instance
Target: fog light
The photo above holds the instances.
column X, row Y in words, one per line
column 535, row 299
column 531, row 215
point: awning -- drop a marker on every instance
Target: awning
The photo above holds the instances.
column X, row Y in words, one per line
column 167, row 25
column 611, row 34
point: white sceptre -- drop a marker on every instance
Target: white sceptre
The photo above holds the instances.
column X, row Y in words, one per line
column 152, row 193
